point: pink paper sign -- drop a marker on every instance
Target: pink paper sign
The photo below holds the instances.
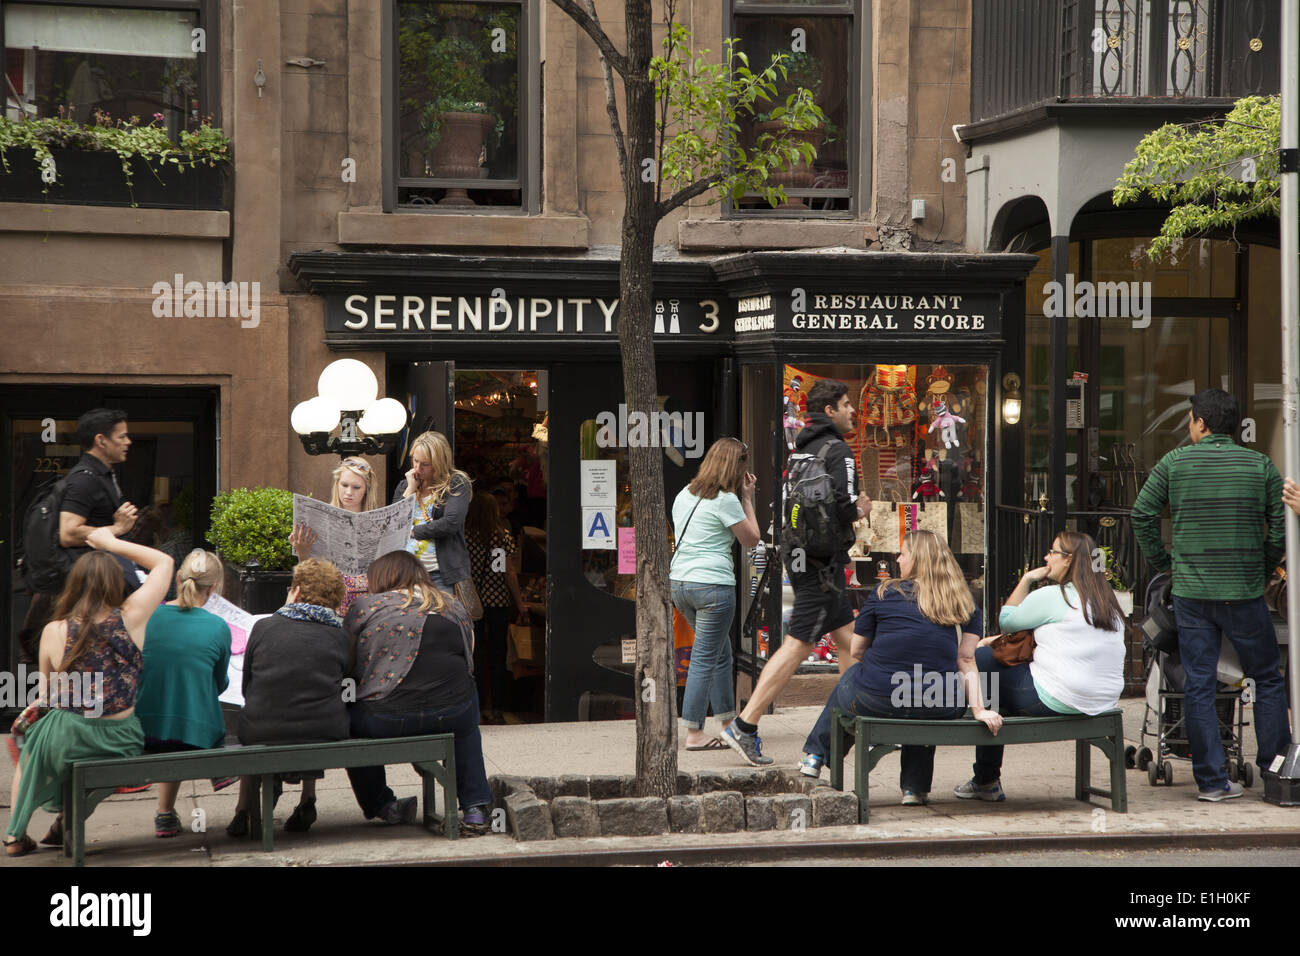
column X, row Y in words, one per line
column 627, row 550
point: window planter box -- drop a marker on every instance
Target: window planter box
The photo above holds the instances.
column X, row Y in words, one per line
column 96, row 179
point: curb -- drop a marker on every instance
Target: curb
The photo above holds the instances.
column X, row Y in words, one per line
column 772, row 851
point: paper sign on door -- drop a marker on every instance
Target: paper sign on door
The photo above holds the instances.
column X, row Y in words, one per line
column 627, row 550
column 598, row 529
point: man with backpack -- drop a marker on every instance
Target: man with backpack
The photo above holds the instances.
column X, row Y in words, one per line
column 819, row 510
column 62, row 517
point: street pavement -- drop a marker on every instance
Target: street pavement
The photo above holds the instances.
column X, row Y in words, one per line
column 1038, row 779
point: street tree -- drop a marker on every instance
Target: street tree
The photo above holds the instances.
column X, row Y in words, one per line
column 683, row 137
column 1215, row 174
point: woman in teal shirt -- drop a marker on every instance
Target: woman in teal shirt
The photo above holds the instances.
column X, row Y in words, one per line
column 708, row 514
column 186, row 667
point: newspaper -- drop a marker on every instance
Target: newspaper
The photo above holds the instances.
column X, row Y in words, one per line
column 240, row 621
column 352, row 540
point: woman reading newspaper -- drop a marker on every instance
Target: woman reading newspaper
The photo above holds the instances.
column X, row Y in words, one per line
column 354, row 490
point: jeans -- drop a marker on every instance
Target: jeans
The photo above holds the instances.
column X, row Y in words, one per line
column 917, row 773
column 369, row 784
column 708, row 609
column 1017, row 697
column 1249, row 626
column 490, row 637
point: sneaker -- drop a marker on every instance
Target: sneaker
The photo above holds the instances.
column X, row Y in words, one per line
column 303, row 816
column 1217, row 796
column 166, row 824
column 399, row 812
column 970, row 790
column 749, row 746
column 477, row 819
column 811, row 765
column 915, row 798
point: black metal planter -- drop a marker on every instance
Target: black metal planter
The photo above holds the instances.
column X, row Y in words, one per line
column 261, row 592
column 96, row 178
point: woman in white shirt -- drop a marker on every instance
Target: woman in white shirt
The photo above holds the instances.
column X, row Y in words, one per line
column 1078, row 664
column 708, row 514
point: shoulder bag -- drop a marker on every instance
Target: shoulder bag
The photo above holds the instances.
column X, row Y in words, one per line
column 1014, row 648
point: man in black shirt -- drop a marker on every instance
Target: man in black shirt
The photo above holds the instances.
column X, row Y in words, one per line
column 91, row 499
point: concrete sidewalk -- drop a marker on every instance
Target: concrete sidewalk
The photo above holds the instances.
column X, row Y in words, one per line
column 1039, row 781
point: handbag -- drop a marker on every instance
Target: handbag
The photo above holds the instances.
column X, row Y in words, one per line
column 1014, row 648
column 30, row 714
column 467, row 595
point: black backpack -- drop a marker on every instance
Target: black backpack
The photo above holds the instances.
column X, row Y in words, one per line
column 44, row 561
column 810, row 523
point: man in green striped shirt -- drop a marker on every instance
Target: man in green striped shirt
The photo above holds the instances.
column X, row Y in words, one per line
column 1228, row 535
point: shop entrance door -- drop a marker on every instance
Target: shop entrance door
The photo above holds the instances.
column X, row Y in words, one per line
column 170, row 473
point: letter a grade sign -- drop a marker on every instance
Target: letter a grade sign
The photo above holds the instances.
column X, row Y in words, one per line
column 598, row 529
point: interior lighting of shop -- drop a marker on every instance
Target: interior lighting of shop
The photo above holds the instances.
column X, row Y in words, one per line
column 348, row 399
column 1011, row 398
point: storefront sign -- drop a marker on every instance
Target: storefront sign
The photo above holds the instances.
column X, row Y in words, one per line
column 914, row 314
column 508, row 313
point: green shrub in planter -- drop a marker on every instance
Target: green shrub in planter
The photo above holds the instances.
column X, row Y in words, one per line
column 253, row 523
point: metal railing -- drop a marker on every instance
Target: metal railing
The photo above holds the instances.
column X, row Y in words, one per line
column 1024, row 54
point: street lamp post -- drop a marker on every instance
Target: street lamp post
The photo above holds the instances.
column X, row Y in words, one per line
column 348, row 399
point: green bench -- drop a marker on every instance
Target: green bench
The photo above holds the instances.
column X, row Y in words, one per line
column 877, row 736
column 433, row 757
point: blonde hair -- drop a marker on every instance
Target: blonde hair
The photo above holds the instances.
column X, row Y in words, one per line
column 201, row 571
column 438, row 451
column 362, row 469
column 942, row 595
column 723, row 469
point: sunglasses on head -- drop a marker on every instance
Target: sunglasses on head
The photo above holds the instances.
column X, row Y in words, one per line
column 356, row 464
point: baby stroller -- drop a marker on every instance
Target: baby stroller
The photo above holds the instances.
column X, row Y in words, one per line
column 1164, row 696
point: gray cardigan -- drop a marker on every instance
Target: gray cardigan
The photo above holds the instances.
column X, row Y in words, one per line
column 446, row 530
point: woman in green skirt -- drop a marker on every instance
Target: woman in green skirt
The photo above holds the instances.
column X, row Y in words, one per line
column 90, row 662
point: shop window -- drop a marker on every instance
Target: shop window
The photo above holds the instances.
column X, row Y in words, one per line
column 459, row 133
column 122, row 61
column 820, row 43
column 919, row 445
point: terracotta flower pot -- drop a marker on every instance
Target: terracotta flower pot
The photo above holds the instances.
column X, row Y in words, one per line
column 459, row 149
column 800, row 175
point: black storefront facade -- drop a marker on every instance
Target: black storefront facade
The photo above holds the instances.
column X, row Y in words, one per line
column 731, row 334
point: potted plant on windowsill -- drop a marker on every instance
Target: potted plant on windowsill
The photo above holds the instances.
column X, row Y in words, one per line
column 111, row 163
column 250, row 529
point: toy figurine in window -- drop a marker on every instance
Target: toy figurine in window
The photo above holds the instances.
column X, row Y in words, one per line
column 795, row 411
column 946, row 422
column 973, row 471
column 887, row 400
column 927, row 486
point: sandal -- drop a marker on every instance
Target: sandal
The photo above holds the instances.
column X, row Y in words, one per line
column 19, row 846
column 55, row 835
column 304, row 815
column 713, row 743
column 239, row 826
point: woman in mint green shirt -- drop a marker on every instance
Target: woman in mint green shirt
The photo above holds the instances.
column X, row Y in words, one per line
column 186, row 667
column 710, row 513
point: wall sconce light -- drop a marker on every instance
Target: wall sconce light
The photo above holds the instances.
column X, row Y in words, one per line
column 1011, row 398
column 259, row 79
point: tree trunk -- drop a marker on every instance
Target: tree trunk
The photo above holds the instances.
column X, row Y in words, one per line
column 655, row 686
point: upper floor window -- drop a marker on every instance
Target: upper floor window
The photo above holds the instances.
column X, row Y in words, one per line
column 124, row 60
column 819, row 39
column 458, row 114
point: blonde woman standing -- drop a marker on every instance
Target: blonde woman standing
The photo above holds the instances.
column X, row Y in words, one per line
column 442, row 493
column 186, row 667
column 353, row 489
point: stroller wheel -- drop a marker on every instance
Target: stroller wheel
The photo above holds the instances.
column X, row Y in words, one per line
column 1248, row 774
column 1232, row 772
column 1130, row 754
column 1153, row 773
column 1144, row 758
column 1167, row 771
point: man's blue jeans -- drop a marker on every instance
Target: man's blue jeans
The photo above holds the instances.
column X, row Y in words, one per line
column 369, row 784
column 708, row 609
column 1016, row 697
column 1249, row 626
column 917, row 772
